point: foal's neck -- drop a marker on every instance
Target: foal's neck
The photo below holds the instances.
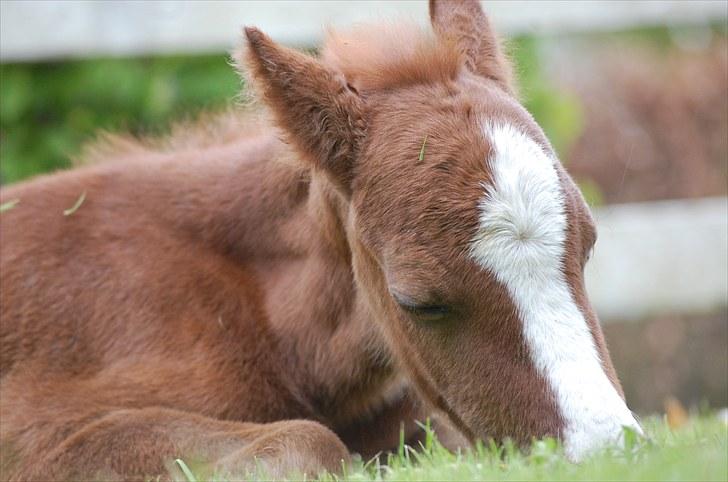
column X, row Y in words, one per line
column 341, row 364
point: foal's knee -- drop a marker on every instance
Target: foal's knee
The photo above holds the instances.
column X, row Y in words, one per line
column 290, row 448
column 311, row 441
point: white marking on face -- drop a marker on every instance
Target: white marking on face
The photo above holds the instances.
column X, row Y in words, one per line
column 521, row 241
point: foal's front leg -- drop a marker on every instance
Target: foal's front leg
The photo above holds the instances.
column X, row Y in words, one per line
column 135, row 444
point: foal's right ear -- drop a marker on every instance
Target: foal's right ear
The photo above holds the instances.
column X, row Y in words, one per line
column 464, row 23
column 323, row 117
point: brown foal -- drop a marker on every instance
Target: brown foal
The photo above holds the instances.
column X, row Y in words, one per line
column 399, row 241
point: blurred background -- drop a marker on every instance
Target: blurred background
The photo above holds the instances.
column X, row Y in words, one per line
column 633, row 95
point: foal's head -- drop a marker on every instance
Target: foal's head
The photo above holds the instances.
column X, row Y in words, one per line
column 468, row 238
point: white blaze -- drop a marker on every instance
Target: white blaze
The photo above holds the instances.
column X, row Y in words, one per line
column 521, row 241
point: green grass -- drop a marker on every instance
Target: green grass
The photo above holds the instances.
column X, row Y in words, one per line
column 696, row 451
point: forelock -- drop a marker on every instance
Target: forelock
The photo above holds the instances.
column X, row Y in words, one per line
column 390, row 55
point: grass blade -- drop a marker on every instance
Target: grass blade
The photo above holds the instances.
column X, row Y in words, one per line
column 75, row 207
column 7, row 206
column 186, row 470
column 422, row 150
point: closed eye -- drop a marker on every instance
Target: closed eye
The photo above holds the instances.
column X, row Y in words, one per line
column 425, row 312
column 430, row 311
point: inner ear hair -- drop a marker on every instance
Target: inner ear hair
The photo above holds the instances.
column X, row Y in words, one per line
column 324, row 118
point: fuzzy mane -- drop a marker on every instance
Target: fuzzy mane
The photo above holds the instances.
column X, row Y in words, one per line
column 390, row 55
column 207, row 129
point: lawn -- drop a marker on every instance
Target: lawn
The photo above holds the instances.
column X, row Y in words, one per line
column 697, row 450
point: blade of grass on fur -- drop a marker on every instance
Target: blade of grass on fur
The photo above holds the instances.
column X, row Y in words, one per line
column 422, row 150
column 75, row 207
column 7, row 206
column 186, row 470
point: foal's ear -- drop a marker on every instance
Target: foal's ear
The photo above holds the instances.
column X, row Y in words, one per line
column 323, row 117
column 464, row 23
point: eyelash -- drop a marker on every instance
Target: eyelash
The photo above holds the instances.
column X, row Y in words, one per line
column 427, row 313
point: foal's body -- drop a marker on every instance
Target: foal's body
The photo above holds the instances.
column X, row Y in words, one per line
column 255, row 327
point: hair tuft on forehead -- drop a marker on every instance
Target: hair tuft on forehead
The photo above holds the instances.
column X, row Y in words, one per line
column 390, row 55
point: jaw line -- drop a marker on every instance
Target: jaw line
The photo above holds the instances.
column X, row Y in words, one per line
column 423, row 382
column 427, row 388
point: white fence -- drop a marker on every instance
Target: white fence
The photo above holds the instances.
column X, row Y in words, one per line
column 32, row 29
column 660, row 257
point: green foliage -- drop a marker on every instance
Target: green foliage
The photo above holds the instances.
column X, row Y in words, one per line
column 696, row 451
column 48, row 110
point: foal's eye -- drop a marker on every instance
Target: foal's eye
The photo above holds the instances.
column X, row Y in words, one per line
column 428, row 313
column 421, row 311
column 425, row 312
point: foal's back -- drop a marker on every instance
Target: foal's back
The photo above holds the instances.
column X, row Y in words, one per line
column 155, row 246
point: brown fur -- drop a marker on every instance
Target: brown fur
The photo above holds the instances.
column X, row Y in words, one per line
column 208, row 301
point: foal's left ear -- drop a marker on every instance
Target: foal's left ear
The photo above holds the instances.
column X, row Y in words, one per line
column 323, row 117
column 464, row 23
